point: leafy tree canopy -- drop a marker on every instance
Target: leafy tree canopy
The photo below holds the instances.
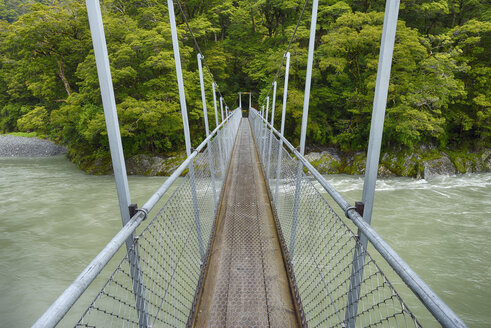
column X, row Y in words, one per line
column 439, row 88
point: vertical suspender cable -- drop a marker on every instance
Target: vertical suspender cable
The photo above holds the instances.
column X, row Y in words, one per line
column 215, row 103
column 116, row 148
column 222, row 170
column 273, row 106
column 65, row 301
column 374, row 144
column 207, row 130
column 221, row 108
column 282, row 128
column 263, row 135
column 184, row 112
column 305, row 114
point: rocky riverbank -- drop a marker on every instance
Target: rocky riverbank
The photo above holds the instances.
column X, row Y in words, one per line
column 154, row 165
column 423, row 163
column 13, row 146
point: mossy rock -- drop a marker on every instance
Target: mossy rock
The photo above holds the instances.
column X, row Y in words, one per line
column 485, row 160
column 401, row 163
column 471, row 162
column 143, row 164
column 325, row 162
column 439, row 166
column 355, row 163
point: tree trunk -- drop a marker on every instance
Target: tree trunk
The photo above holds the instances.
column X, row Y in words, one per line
column 253, row 22
column 62, row 76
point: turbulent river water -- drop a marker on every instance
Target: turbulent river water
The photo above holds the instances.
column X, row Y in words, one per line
column 55, row 219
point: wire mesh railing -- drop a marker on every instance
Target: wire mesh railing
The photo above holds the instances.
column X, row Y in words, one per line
column 321, row 249
column 169, row 249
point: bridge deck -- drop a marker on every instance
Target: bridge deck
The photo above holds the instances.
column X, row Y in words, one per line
column 246, row 284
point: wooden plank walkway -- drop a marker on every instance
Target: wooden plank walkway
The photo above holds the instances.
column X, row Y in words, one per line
column 246, row 284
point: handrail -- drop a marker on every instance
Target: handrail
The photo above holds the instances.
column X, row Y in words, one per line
column 72, row 293
column 440, row 311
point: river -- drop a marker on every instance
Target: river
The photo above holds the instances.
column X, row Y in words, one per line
column 56, row 219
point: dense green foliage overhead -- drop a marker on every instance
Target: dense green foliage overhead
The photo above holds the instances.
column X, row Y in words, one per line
column 439, row 92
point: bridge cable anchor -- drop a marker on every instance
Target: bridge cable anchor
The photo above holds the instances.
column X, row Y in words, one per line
column 133, row 208
column 359, row 208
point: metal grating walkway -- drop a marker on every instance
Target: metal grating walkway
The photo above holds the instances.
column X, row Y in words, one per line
column 246, row 284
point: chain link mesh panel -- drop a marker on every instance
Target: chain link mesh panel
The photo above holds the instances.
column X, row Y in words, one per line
column 170, row 249
column 338, row 286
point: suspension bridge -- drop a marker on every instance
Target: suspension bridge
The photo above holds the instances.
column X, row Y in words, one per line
column 249, row 236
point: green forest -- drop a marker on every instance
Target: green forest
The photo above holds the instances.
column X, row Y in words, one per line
column 439, row 91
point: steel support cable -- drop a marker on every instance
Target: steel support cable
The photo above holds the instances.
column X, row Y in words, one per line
column 288, row 47
column 197, row 47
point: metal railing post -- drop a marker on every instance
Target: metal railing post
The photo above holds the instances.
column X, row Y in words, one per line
column 263, row 135
column 217, row 123
column 184, row 112
column 282, row 129
column 221, row 108
column 250, row 100
column 222, row 139
column 215, row 102
column 226, row 132
column 228, row 137
column 240, row 100
column 260, row 131
column 374, row 144
column 273, row 105
column 207, row 129
column 303, row 133
column 117, row 156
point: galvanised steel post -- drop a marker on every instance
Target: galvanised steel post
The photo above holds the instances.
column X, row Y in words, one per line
column 117, row 156
column 217, row 123
column 282, row 129
column 305, row 115
column 223, row 132
column 240, row 100
column 258, row 121
column 271, row 134
column 259, row 128
column 221, row 108
column 229, row 135
column 376, row 130
column 215, row 103
column 207, row 128
column 184, row 112
column 250, row 100
column 203, row 95
column 263, row 135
